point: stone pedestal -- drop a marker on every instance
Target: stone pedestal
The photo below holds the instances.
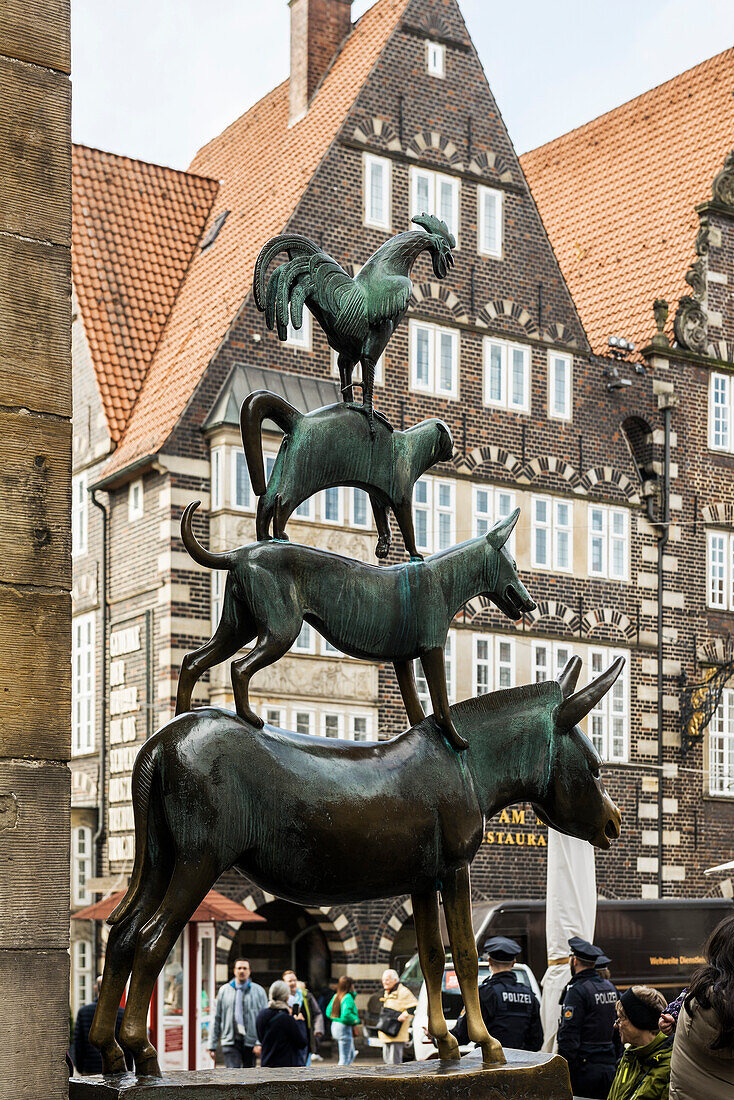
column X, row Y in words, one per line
column 525, row 1077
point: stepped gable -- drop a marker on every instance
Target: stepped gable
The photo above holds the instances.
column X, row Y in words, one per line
column 264, row 168
column 617, row 197
column 135, row 228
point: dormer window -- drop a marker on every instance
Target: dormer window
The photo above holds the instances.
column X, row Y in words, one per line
column 436, row 58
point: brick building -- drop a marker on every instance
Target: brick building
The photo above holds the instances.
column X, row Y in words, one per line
column 556, row 254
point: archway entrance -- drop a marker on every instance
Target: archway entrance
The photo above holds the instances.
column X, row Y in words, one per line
column 290, row 939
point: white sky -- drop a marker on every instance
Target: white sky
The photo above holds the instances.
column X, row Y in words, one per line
column 156, row 79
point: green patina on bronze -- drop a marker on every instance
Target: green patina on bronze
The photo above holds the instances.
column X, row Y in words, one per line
column 399, row 614
column 360, row 314
column 319, row 822
column 333, row 446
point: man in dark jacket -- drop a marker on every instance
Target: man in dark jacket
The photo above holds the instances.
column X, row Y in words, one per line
column 86, row 1058
column 510, row 1010
column 587, row 1038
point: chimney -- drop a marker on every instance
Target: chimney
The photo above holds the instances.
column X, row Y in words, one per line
column 318, row 28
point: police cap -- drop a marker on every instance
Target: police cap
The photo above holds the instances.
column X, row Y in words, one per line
column 584, row 950
column 502, row 949
column 603, row 960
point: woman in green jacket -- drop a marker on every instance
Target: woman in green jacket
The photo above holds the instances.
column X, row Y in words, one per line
column 644, row 1069
column 342, row 1011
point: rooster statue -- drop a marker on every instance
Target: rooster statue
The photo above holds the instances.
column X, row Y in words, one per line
column 358, row 315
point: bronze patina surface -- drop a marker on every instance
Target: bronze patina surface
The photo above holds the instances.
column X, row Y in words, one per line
column 320, row 822
column 526, row 1076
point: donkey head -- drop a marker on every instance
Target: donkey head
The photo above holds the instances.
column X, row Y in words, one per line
column 576, row 801
column 504, row 586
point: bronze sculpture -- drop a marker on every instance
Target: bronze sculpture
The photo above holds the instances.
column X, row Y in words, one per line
column 306, row 819
column 360, row 314
column 313, row 456
column 399, row 614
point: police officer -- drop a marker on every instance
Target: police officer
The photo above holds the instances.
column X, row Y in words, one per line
column 510, row 1010
column 587, row 1038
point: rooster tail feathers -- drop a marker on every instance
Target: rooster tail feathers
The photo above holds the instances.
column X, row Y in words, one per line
column 298, row 300
column 294, row 272
column 258, row 406
column 292, row 243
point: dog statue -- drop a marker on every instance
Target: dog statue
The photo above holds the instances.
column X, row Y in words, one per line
column 397, row 614
column 333, row 446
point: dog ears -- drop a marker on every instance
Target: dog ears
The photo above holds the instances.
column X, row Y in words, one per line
column 502, row 530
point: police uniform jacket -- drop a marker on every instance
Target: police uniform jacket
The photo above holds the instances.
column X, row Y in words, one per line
column 510, row 1011
column 588, row 1015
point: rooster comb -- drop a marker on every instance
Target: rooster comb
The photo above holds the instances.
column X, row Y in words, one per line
column 435, row 226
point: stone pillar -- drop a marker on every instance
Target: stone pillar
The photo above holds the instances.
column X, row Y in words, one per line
column 35, row 563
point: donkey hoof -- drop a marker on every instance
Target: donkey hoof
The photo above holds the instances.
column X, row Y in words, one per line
column 493, row 1054
column 113, row 1061
column 448, row 1049
column 383, row 548
column 147, row 1065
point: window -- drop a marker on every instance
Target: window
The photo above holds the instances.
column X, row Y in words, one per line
column 242, row 494
column 608, row 723
column 560, row 374
column 494, row 663
column 300, row 337
column 489, row 505
column 434, row 514
column 81, row 865
column 82, row 974
column 331, row 505
column 82, row 658
column 552, row 522
column 217, row 594
column 506, row 375
column 721, row 747
column 719, row 570
column 361, row 514
column 306, row 640
column 217, row 477
column 357, row 372
column 329, row 650
column 433, row 193
column 332, row 725
column 361, row 727
column 421, row 684
column 135, row 500
column 549, row 660
column 490, row 222
column 303, row 721
column 377, row 191
column 608, row 542
column 79, row 514
column 435, row 58
column 720, row 413
column 272, row 716
column 434, row 359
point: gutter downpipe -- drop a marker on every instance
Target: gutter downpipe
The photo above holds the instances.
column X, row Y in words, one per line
column 101, row 801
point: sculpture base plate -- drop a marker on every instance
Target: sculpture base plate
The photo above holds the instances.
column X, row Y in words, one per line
column 527, row 1076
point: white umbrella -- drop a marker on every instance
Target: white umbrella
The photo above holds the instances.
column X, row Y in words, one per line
column 721, row 867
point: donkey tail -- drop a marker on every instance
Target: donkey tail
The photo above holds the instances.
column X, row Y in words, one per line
column 258, row 406
column 142, row 784
column 199, row 553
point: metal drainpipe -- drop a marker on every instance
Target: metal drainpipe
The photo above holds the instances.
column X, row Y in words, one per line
column 101, row 801
column 662, row 544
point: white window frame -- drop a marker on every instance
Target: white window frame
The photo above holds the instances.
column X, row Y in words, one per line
column 338, row 494
column 79, row 514
column 305, row 711
column 435, row 335
column 435, row 59
column 433, row 510
column 615, row 704
column 494, row 664
column 329, row 713
column 555, row 654
column 606, row 536
column 721, row 437
column 555, row 528
column 506, row 351
column 484, row 196
column 238, row 459
column 299, row 338
column 501, row 503
column 557, row 360
column 135, row 500
column 83, row 974
column 434, row 181
column 723, row 599
column 328, row 650
column 352, row 734
column 421, row 684
column 307, row 640
column 721, row 748
column 216, row 596
column 270, row 712
column 372, row 163
column 217, row 460
column 367, row 525
column 83, row 659
column 81, row 865
column 357, row 372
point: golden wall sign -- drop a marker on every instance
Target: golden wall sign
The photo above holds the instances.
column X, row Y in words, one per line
column 517, row 839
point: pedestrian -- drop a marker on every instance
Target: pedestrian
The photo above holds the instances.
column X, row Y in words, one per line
column 703, row 1052
column 511, row 1011
column 342, row 1012
column 238, row 1004
column 587, row 1037
column 644, row 1070
column 281, row 1030
column 397, row 1003
column 298, row 994
column 86, row 1058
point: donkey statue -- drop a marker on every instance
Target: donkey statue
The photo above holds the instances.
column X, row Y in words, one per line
column 317, row 822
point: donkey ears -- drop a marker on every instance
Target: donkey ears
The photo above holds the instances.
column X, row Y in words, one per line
column 569, row 677
column 577, row 706
column 502, row 530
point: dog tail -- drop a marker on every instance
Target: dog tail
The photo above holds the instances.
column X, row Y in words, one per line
column 199, row 553
column 258, row 406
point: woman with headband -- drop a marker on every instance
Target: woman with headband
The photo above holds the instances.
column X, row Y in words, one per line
column 644, row 1070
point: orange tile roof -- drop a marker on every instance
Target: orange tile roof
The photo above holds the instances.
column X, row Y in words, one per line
column 264, row 168
column 135, row 226
column 617, row 197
